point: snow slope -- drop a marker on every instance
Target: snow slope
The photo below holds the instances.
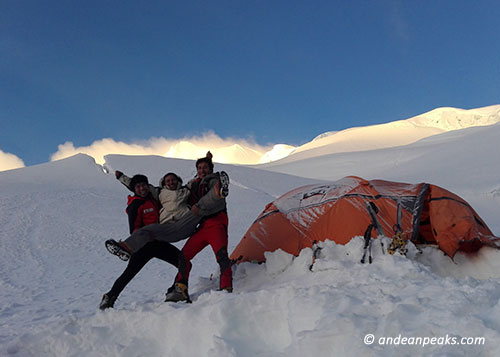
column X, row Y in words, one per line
column 393, row 134
column 55, row 218
column 54, row 267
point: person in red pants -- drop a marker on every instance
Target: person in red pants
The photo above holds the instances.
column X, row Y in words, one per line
column 212, row 231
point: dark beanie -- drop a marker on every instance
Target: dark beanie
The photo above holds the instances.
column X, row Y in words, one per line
column 207, row 159
column 138, row 179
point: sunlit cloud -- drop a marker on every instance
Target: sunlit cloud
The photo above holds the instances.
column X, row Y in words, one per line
column 228, row 150
column 9, row 161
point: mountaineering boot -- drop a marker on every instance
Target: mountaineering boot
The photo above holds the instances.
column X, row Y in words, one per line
column 107, row 301
column 227, row 288
column 179, row 292
column 224, row 184
column 118, row 248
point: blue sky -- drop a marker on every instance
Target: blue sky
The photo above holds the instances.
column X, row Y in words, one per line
column 271, row 71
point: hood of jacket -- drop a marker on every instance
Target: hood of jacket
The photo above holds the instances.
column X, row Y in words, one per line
column 135, row 198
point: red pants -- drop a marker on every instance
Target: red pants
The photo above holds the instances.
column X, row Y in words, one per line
column 213, row 231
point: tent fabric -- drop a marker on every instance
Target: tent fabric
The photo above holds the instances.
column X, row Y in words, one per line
column 338, row 211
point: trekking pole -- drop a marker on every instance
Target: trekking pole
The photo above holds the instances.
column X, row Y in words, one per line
column 373, row 210
column 316, row 250
column 398, row 241
column 368, row 244
column 398, row 218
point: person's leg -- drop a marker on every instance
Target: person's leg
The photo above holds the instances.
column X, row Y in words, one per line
column 193, row 246
column 179, row 291
column 218, row 240
column 169, row 232
column 166, row 252
column 213, row 232
column 136, row 263
column 161, row 250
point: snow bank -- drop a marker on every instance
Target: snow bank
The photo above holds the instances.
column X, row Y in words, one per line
column 284, row 308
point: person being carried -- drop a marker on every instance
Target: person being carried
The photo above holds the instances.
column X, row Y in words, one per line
column 212, row 231
column 143, row 209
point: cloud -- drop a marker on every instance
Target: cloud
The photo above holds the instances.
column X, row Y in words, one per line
column 9, row 161
column 228, row 150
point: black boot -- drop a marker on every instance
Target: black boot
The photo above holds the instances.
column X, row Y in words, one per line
column 224, row 184
column 118, row 248
column 107, row 301
column 179, row 292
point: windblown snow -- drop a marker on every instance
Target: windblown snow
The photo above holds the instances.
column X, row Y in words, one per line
column 54, row 268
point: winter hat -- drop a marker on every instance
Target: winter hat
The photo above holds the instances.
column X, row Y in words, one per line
column 138, row 179
column 207, row 159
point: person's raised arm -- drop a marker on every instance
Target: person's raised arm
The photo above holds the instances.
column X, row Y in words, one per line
column 124, row 179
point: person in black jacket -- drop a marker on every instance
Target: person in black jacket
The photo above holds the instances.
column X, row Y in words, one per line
column 142, row 210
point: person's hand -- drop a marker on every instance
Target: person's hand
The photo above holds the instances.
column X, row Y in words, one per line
column 196, row 210
column 118, row 174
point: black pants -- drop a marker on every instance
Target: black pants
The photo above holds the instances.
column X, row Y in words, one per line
column 156, row 249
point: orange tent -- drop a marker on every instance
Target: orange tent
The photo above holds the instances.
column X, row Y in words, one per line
column 338, row 211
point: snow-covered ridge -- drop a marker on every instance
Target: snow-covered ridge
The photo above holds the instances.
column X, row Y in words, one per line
column 396, row 133
column 448, row 119
column 325, row 135
column 247, row 152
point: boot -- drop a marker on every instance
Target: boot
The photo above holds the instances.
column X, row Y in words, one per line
column 179, row 292
column 224, row 184
column 107, row 301
column 118, row 248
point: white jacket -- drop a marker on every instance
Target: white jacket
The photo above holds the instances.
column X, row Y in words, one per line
column 174, row 204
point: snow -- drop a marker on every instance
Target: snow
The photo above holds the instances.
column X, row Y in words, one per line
column 54, row 268
column 448, row 119
column 394, row 134
column 277, row 152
